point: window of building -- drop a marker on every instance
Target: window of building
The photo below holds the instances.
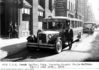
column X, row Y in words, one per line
column 50, row 5
column 40, row 16
column 69, row 5
column 25, row 14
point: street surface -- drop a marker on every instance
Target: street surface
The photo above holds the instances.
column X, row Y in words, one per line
column 85, row 50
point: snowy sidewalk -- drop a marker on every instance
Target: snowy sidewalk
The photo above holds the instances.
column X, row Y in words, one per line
column 86, row 43
column 11, row 46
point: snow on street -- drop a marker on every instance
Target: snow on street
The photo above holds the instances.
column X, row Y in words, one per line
column 81, row 51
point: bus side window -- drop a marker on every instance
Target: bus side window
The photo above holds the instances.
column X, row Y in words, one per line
column 59, row 25
column 78, row 24
column 82, row 24
column 73, row 24
column 64, row 25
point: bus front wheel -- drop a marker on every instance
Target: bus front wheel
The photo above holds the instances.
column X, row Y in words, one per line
column 58, row 46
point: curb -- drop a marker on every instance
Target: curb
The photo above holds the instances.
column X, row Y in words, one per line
column 12, row 46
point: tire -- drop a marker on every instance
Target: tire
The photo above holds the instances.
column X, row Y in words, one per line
column 58, row 46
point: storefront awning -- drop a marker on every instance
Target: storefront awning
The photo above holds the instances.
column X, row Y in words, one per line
column 40, row 8
column 26, row 4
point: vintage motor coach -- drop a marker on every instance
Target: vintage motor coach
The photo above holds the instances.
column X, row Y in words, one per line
column 52, row 36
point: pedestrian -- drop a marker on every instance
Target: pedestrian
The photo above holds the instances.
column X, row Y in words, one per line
column 10, row 30
column 15, row 31
column 69, row 35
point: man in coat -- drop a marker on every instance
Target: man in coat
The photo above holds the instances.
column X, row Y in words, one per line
column 69, row 35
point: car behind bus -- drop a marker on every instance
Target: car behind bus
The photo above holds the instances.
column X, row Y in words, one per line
column 88, row 28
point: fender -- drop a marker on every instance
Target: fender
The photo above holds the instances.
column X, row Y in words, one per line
column 32, row 38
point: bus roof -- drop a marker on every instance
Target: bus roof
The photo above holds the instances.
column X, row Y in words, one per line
column 89, row 22
column 62, row 18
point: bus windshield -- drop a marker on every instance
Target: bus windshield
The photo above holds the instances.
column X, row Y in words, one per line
column 52, row 25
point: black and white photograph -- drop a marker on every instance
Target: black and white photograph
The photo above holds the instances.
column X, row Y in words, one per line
column 49, row 31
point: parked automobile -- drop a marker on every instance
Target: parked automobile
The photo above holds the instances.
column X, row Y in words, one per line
column 89, row 27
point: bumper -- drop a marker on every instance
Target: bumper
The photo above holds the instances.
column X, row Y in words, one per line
column 88, row 31
column 36, row 45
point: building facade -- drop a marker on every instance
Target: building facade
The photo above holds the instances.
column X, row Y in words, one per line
column 1, row 15
column 83, row 11
column 74, row 9
column 60, row 8
column 65, row 8
column 79, row 7
column 71, row 8
column 14, row 18
column 24, row 17
column 41, row 9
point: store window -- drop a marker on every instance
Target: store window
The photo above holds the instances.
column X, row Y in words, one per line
column 40, row 16
column 26, row 14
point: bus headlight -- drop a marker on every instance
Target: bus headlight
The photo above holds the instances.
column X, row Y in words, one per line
column 49, row 36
